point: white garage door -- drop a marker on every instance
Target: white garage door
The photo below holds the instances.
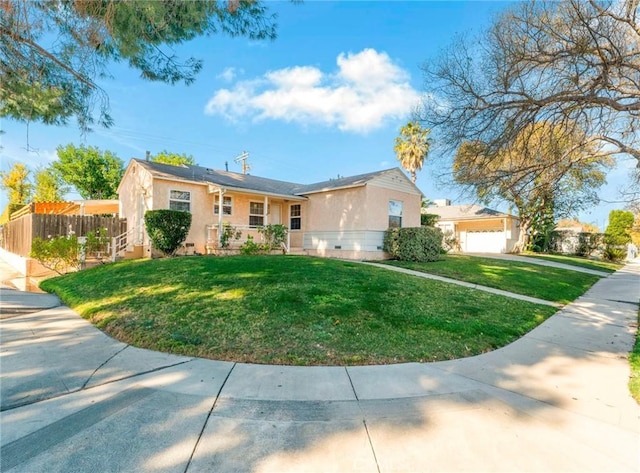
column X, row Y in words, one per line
column 485, row 242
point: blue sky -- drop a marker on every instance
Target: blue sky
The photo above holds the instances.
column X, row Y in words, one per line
column 326, row 98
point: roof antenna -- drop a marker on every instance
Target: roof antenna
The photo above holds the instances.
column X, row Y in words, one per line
column 242, row 159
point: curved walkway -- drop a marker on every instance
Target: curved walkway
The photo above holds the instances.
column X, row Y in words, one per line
column 75, row 400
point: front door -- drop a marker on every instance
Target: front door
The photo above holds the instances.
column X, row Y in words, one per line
column 275, row 217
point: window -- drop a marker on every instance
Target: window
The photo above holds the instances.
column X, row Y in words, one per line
column 180, row 200
column 395, row 214
column 227, row 205
column 296, row 220
column 256, row 214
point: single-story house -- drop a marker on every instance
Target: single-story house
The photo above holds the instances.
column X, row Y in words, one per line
column 477, row 229
column 344, row 217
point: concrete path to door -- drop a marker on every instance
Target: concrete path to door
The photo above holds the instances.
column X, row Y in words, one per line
column 75, row 400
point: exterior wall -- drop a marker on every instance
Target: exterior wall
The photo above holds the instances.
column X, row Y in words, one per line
column 351, row 222
column 135, row 196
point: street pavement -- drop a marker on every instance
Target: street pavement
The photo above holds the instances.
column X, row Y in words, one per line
column 73, row 399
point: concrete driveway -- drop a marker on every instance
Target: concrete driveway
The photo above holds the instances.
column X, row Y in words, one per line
column 75, row 400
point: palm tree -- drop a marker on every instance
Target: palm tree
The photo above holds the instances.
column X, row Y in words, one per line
column 412, row 147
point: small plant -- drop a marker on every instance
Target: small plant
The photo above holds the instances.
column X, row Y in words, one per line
column 97, row 243
column 59, row 254
column 614, row 254
column 167, row 229
column 228, row 233
column 250, row 247
column 274, row 235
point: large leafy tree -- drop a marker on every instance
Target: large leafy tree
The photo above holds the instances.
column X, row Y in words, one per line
column 17, row 184
column 412, row 147
column 574, row 63
column 546, row 172
column 53, row 51
column 48, row 186
column 93, row 173
column 173, row 159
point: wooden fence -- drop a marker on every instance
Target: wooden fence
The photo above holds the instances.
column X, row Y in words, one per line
column 18, row 234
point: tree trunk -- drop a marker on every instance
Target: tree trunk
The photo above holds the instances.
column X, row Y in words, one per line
column 523, row 237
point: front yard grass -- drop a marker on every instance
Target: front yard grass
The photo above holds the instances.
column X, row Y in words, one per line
column 292, row 310
column 606, row 266
column 542, row 282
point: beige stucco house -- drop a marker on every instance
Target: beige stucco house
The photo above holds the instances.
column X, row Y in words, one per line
column 344, row 217
column 477, row 229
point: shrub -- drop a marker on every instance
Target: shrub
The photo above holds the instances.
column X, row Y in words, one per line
column 274, row 235
column 588, row 243
column 228, row 233
column 167, row 229
column 97, row 243
column 419, row 244
column 250, row 247
column 59, row 254
column 614, row 254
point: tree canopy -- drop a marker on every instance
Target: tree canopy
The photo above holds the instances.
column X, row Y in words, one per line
column 574, row 63
column 618, row 230
column 546, row 173
column 52, row 52
column 173, row 159
column 17, row 184
column 48, row 186
column 93, row 173
column 412, row 147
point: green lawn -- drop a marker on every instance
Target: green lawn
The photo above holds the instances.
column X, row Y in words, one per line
column 552, row 284
column 598, row 265
column 292, row 310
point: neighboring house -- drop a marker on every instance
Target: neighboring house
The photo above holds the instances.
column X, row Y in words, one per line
column 344, row 217
column 477, row 229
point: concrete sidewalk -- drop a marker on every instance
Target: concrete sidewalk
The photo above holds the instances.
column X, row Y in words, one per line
column 75, row 400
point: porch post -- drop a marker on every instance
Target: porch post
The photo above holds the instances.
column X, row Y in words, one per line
column 220, row 194
column 266, row 210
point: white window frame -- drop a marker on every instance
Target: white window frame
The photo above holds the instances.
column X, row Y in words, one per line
column 395, row 212
column 297, row 217
column 256, row 215
column 180, row 199
column 225, row 206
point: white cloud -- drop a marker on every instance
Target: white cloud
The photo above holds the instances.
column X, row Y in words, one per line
column 366, row 90
column 229, row 74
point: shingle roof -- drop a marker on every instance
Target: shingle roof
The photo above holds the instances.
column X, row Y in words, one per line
column 340, row 183
column 221, row 178
column 465, row 212
column 253, row 183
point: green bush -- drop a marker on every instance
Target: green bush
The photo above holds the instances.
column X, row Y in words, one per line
column 97, row 243
column 167, row 229
column 588, row 243
column 60, row 254
column 619, row 228
column 614, row 254
column 250, row 247
column 428, row 220
column 228, row 233
column 274, row 235
column 419, row 244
